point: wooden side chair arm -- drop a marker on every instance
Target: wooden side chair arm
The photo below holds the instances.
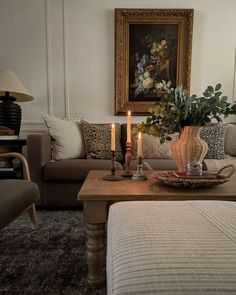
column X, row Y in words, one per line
column 24, row 163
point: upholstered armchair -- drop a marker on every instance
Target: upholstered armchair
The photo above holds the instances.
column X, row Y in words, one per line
column 17, row 195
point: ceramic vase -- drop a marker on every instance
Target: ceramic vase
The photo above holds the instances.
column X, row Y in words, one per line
column 188, row 147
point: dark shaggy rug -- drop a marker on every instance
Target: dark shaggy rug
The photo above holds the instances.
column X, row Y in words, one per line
column 48, row 261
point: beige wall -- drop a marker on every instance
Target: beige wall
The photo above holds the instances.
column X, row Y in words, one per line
column 63, row 51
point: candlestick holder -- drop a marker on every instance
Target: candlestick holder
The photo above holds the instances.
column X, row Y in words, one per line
column 112, row 176
column 128, row 155
column 139, row 174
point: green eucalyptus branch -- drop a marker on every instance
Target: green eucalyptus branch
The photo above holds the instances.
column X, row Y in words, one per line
column 176, row 109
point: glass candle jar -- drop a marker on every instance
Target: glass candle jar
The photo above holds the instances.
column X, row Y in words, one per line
column 194, row 168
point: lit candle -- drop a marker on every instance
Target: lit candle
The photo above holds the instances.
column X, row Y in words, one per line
column 113, row 137
column 129, row 127
column 139, row 144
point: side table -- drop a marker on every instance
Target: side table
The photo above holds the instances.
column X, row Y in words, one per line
column 8, row 169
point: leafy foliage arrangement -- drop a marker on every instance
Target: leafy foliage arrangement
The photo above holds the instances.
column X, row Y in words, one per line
column 176, row 109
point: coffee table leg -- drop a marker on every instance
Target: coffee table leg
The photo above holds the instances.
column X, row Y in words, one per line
column 95, row 253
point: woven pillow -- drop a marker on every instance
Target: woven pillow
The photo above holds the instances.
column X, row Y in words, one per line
column 214, row 136
column 152, row 148
column 67, row 138
column 97, row 140
column 230, row 139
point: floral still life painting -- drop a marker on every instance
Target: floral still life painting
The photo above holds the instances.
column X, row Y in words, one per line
column 153, row 57
column 151, row 45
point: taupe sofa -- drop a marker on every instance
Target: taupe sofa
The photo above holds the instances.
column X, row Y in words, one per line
column 60, row 181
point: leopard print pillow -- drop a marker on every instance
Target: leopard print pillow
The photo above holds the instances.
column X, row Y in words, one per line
column 214, row 136
column 97, row 140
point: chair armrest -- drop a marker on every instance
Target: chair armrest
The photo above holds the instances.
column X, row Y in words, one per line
column 25, row 167
column 39, row 153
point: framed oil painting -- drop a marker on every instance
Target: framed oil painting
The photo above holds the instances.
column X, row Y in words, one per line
column 151, row 45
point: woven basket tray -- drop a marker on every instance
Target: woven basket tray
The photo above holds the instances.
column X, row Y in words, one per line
column 184, row 181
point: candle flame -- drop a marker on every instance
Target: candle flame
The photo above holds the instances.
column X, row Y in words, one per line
column 112, row 125
column 139, row 135
column 129, row 113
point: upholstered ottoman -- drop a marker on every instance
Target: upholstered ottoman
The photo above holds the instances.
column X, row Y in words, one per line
column 172, row 248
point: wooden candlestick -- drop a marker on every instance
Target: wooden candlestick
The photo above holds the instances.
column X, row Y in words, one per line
column 128, row 155
column 112, row 176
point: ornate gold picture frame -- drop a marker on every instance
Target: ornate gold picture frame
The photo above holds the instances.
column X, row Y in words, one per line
column 151, row 45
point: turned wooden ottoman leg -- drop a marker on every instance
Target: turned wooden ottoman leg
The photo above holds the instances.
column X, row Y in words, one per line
column 95, row 253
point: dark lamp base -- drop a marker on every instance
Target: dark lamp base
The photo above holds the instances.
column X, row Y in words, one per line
column 10, row 114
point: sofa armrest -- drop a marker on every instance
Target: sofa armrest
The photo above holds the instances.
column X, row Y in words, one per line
column 39, row 153
column 214, row 165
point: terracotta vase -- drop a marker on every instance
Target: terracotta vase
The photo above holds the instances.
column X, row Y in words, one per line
column 188, row 147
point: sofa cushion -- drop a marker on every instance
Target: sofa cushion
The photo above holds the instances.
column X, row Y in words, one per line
column 230, row 139
column 156, row 164
column 214, row 165
column 152, row 148
column 74, row 169
column 15, row 197
column 67, row 139
column 97, row 139
column 214, row 136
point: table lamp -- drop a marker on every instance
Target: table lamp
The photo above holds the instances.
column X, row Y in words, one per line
column 11, row 90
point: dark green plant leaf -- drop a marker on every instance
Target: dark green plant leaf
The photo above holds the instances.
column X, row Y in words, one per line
column 224, row 98
column 218, row 118
column 210, row 89
column 207, row 93
column 176, row 110
column 218, row 86
column 218, row 93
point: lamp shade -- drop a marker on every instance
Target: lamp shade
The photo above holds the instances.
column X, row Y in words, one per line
column 10, row 83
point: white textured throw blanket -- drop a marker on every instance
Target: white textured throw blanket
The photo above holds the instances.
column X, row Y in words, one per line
column 170, row 248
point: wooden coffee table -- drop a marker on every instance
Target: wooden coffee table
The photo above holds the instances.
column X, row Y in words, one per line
column 97, row 195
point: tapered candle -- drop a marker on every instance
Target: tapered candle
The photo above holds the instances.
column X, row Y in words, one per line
column 139, row 144
column 113, row 137
column 129, row 127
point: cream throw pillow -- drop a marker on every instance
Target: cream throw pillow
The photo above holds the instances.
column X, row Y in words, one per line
column 153, row 149
column 67, row 139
